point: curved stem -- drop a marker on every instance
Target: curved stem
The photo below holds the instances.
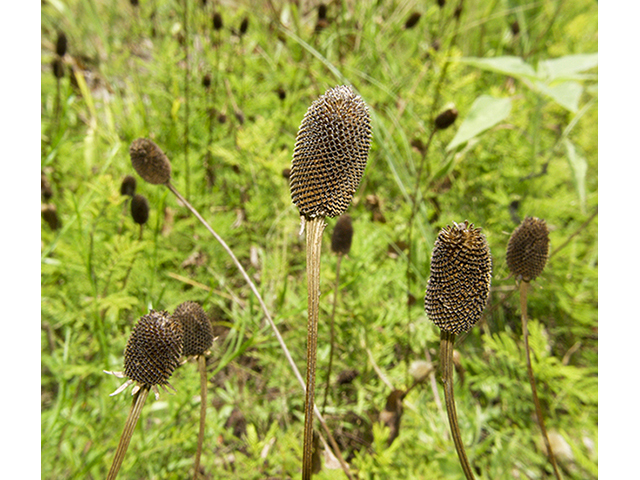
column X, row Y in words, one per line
column 129, row 426
column 446, row 359
column 202, row 367
column 283, row 345
column 525, row 333
column 315, row 228
column 332, row 333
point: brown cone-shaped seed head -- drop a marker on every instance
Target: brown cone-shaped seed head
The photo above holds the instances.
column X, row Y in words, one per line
column 197, row 331
column 412, row 21
column 128, row 186
column 528, row 249
column 61, row 44
column 217, row 21
column 342, row 235
column 446, row 118
column 244, row 25
column 139, row 209
column 150, row 161
column 206, row 81
column 330, row 153
column 458, row 288
column 58, row 67
column 154, row 348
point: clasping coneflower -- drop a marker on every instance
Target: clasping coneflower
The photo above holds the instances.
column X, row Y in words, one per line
column 457, row 293
column 150, row 357
column 527, row 254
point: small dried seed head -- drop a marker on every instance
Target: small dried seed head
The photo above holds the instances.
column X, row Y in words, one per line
column 134, row 3
column 197, row 331
column 58, row 67
column 154, row 348
column 342, row 235
column 139, row 209
column 528, row 249
column 61, row 44
column 128, row 186
column 412, row 21
column 206, row 81
column 150, row 161
column 45, row 187
column 330, row 153
column 244, row 25
column 217, row 21
column 458, row 288
column 50, row 215
column 322, row 12
column 446, row 118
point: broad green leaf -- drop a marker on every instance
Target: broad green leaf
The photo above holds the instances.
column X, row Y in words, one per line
column 567, row 66
column 578, row 166
column 566, row 94
column 513, row 66
column 485, row 112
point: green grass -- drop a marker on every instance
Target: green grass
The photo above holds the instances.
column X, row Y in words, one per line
column 134, row 87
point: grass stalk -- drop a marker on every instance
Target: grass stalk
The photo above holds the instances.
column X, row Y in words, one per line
column 315, row 227
column 202, row 368
column 534, row 392
column 185, row 20
column 138, row 402
column 447, row 340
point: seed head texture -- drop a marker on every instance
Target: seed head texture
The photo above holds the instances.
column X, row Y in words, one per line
column 150, row 161
column 528, row 249
column 197, row 331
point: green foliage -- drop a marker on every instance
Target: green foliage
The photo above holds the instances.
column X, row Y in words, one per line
column 525, row 143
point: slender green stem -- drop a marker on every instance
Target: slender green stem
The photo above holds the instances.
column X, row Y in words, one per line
column 138, row 402
column 446, row 359
column 202, row 367
column 315, row 228
column 525, row 333
column 185, row 19
column 332, row 333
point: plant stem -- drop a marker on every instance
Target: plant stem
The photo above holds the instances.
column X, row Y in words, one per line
column 332, row 332
column 138, row 402
column 202, row 367
column 525, row 333
column 315, row 228
column 283, row 345
column 185, row 19
column 446, row 358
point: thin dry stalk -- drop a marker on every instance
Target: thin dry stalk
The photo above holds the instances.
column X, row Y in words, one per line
column 202, row 367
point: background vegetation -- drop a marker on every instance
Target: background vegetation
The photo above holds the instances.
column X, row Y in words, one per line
column 523, row 77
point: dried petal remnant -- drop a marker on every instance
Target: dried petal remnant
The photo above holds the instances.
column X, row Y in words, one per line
column 528, row 249
column 197, row 331
column 150, row 161
column 153, row 349
column 458, row 288
column 330, row 154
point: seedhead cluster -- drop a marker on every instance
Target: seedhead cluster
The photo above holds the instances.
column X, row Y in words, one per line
column 528, row 249
column 197, row 335
column 330, row 153
column 458, row 288
column 153, row 349
column 150, row 161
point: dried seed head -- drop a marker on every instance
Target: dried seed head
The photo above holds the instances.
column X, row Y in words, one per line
column 197, row 331
column 342, row 235
column 446, row 118
column 412, row 20
column 330, row 153
column 50, row 215
column 206, row 81
column 150, row 161
column 58, row 67
column 322, row 12
column 458, row 288
column 217, row 21
column 134, row 3
column 139, row 209
column 528, row 249
column 128, row 186
column 244, row 25
column 515, row 28
column 45, row 187
column 61, row 44
column 441, row 3
column 153, row 349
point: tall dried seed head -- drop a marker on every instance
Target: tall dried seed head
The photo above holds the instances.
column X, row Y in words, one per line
column 412, row 21
column 458, row 288
column 139, row 209
column 197, row 331
column 128, row 185
column 330, row 153
column 153, row 350
column 244, row 25
column 528, row 249
column 342, row 235
column 61, row 44
column 446, row 118
column 217, row 21
column 150, row 161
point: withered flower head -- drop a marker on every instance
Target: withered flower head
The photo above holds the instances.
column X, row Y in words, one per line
column 128, row 185
column 150, row 161
column 58, row 67
column 139, row 209
column 244, row 25
column 330, row 154
column 458, row 288
column 446, row 118
column 217, row 21
column 61, row 44
column 342, row 235
column 412, row 21
column 528, row 249
column 197, row 331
